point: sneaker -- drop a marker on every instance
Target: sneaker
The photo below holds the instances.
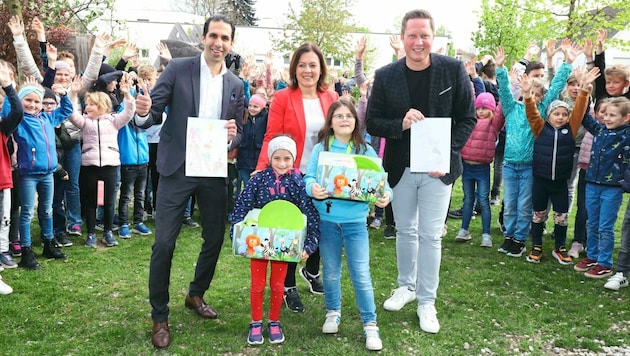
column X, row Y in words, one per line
column 101, row 227
column 124, row 232
column 401, row 296
column 75, row 230
column 376, row 223
column 535, row 254
column 109, row 240
column 615, row 282
column 51, row 250
column 584, row 265
column 516, row 249
column 314, row 282
column 28, row 260
column 576, row 249
column 455, row 213
column 372, row 337
column 428, row 318
column 15, row 248
column 331, row 324
column 561, row 255
column 444, row 231
column 189, row 222
column 486, row 240
column 505, row 246
column 5, row 288
column 275, row 332
column 255, row 336
column 494, row 200
column 598, row 272
column 7, row 261
column 390, row 232
column 141, row 229
column 292, row 300
column 462, row 236
column 91, row 240
column 62, row 240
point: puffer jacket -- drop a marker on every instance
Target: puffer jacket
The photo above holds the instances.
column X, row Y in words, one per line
column 481, row 144
column 610, row 153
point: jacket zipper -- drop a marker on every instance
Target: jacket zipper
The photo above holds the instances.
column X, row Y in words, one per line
column 98, row 128
column 554, row 155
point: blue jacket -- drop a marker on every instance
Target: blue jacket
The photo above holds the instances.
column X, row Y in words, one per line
column 35, row 136
column 133, row 145
column 267, row 186
column 252, row 141
column 610, row 153
column 340, row 211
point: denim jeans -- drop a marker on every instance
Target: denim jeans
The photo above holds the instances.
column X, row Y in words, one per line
column 517, row 198
column 243, row 178
column 66, row 199
column 354, row 238
column 579, row 229
column 43, row 185
column 133, row 180
column 476, row 175
column 602, row 205
column 420, row 206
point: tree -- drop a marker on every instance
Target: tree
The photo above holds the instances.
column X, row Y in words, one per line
column 241, row 12
column 327, row 23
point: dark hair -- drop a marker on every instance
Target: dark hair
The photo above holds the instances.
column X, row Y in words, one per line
column 218, row 18
column 326, row 132
column 489, row 69
column 599, row 103
column 417, row 14
column 533, row 65
column 295, row 59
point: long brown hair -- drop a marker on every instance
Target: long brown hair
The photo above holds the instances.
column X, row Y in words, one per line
column 322, row 85
column 327, row 132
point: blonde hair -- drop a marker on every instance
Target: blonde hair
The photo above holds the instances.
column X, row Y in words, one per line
column 622, row 103
column 618, row 70
column 65, row 55
column 102, row 101
column 145, row 71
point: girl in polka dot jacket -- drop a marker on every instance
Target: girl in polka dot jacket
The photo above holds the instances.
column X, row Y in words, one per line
column 278, row 182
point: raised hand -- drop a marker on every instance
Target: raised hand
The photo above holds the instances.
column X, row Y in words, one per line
column 601, row 38
column 5, row 75
column 59, row 89
column 589, row 77
column 108, row 46
column 588, row 49
column 16, row 26
column 124, row 85
column 526, row 85
column 361, row 46
column 570, row 50
column 30, row 80
column 550, row 48
column 51, row 51
column 165, row 54
column 514, row 74
column 130, row 51
column 499, row 57
column 533, row 51
column 76, row 86
column 396, row 44
column 101, row 41
column 38, row 27
column 470, row 69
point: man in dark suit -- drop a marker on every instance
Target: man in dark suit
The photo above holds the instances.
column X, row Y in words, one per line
column 422, row 84
column 199, row 86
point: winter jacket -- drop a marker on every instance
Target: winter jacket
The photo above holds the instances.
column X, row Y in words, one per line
column 481, row 144
column 133, row 144
column 251, row 141
column 35, row 137
column 100, row 136
column 585, row 151
column 7, row 126
column 610, row 153
column 267, row 186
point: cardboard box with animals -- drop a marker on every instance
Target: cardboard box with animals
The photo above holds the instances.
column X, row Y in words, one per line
column 275, row 232
column 351, row 177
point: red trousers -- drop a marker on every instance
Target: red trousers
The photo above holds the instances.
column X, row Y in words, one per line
column 258, row 268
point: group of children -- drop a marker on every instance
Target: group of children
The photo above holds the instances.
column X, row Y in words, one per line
column 549, row 137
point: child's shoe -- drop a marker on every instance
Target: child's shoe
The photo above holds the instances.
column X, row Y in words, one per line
column 486, row 240
column 141, row 229
column 617, row 281
column 275, row 332
column 535, row 255
column 505, row 246
column 584, row 265
column 108, row 239
column 562, row 255
column 292, row 300
column 5, row 288
column 376, row 223
column 372, row 337
column 91, row 240
column 575, row 249
column 331, row 325
column 462, row 235
column 598, row 272
column 16, row 249
column 7, row 261
column 255, row 336
column 124, row 232
column 28, row 260
column 517, row 249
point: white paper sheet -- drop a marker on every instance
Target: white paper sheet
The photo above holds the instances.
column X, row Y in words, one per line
column 206, row 148
column 431, row 145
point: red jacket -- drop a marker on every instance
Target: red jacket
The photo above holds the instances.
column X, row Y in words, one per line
column 481, row 144
column 286, row 116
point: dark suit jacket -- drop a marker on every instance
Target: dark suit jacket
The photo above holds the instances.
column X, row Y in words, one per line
column 450, row 95
column 178, row 89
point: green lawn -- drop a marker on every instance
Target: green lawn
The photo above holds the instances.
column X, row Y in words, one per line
column 96, row 303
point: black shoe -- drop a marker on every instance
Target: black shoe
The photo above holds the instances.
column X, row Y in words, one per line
column 314, row 283
column 389, row 232
column 292, row 300
column 189, row 222
column 62, row 240
column 28, row 260
column 505, row 246
column 516, row 249
column 52, row 251
column 456, row 213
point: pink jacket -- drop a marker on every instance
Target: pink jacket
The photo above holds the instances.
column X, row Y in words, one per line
column 481, row 144
column 100, row 136
column 584, row 156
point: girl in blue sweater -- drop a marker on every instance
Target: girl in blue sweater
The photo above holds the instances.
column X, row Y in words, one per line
column 343, row 224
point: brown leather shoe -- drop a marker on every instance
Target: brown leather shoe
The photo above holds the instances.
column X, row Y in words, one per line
column 200, row 307
column 161, row 337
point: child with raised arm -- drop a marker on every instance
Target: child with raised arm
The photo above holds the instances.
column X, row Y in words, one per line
column 277, row 182
column 342, row 225
column 553, row 158
column 610, row 155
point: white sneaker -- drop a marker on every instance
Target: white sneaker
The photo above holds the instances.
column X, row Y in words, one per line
column 5, row 288
column 372, row 337
column 486, row 240
column 428, row 318
column 463, row 235
column 400, row 297
column 617, row 281
column 331, row 325
column 444, row 231
column 575, row 250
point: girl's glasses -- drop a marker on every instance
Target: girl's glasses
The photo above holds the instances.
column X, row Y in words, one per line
column 343, row 117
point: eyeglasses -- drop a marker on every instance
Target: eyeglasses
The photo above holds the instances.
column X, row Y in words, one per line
column 49, row 103
column 343, row 117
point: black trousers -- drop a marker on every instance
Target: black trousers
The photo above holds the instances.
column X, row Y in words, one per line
column 174, row 192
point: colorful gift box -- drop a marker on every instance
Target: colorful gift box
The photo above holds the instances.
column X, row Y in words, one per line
column 275, row 232
column 351, row 177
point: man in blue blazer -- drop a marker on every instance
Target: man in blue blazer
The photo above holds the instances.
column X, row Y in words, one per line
column 199, row 86
column 422, row 84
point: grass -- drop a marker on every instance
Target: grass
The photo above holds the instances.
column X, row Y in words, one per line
column 96, row 303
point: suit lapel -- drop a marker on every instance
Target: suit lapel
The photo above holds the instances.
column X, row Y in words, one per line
column 227, row 95
column 298, row 107
column 194, row 79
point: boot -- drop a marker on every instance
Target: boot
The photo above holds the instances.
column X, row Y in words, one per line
column 28, row 260
column 52, row 251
